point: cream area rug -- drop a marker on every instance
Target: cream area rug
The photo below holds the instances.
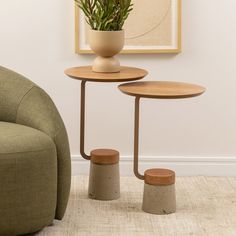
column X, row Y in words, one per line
column 205, row 206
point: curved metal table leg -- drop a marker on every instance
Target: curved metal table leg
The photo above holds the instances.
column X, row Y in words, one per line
column 82, row 121
column 136, row 139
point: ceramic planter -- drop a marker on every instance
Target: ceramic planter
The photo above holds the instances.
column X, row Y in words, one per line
column 106, row 44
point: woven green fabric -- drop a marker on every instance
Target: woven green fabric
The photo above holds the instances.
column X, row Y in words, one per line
column 35, row 166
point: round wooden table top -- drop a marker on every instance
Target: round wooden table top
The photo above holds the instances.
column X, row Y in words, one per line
column 159, row 177
column 162, row 89
column 104, row 156
column 86, row 73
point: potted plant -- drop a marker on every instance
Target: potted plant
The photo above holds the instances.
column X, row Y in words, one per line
column 106, row 35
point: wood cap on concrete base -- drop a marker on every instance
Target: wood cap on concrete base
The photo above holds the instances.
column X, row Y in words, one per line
column 159, row 177
column 104, row 156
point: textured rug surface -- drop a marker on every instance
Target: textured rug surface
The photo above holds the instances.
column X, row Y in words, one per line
column 205, row 206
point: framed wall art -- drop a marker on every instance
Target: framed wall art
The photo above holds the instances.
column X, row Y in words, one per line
column 154, row 26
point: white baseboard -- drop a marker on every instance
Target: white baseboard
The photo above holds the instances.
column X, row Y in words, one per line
column 183, row 166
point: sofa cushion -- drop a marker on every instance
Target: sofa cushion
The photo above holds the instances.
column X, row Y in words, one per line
column 28, row 179
column 20, row 138
column 13, row 88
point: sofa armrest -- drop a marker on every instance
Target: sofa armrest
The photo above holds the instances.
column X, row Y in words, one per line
column 38, row 111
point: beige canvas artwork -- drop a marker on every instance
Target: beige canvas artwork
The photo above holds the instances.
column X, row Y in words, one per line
column 152, row 27
column 149, row 23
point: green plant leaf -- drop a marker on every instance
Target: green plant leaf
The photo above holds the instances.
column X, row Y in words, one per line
column 106, row 15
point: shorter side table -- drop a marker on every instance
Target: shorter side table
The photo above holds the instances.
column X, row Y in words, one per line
column 159, row 193
column 104, row 163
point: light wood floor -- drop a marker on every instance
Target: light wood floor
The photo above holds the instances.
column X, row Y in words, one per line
column 206, row 206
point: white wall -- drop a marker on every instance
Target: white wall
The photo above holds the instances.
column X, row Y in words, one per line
column 37, row 40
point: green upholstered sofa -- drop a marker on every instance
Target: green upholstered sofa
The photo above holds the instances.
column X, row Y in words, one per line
column 35, row 166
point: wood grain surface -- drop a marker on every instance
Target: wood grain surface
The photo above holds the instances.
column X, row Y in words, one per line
column 86, row 73
column 162, row 89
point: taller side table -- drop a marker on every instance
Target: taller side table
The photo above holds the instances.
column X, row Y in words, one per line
column 159, row 194
column 104, row 172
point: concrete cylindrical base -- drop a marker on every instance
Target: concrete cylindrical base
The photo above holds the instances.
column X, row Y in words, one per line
column 159, row 192
column 104, row 179
column 159, row 200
